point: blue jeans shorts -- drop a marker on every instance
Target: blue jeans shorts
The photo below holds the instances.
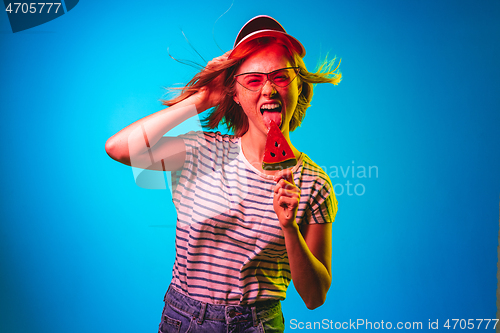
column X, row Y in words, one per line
column 183, row 314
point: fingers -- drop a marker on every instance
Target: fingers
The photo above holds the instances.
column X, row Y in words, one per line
column 288, row 202
column 291, row 192
column 218, row 59
column 286, row 195
column 286, row 186
column 285, row 174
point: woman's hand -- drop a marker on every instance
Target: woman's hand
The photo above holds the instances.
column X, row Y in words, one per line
column 309, row 248
column 212, row 94
column 286, row 199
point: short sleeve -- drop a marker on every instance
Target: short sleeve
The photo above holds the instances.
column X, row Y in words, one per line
column 324, row 205
column 192, row 142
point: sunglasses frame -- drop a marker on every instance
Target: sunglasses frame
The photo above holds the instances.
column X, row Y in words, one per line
column 297, row 71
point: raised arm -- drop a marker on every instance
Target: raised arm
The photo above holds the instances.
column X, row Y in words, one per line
column 142, row 144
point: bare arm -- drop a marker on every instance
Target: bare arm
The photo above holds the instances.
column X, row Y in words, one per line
column 142, row 144
column 310, row 256
column 309, row 247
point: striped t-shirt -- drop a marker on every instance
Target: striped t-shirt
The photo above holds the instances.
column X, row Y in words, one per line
column 230, row 248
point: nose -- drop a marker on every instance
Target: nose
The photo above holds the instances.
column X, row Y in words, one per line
column 268, row 89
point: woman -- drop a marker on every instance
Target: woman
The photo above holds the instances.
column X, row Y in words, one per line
column 242, row 232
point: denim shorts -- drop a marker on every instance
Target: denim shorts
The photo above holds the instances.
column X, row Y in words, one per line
column 183, row 314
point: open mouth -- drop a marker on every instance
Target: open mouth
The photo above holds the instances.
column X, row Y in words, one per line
column 274, row 107
column 272, row 112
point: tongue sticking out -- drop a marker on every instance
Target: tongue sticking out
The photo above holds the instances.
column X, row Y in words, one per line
column 274, row 116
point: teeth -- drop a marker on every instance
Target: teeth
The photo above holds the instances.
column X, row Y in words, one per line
column 270, row 106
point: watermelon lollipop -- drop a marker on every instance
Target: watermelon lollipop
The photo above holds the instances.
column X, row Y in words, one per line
column 277, row 155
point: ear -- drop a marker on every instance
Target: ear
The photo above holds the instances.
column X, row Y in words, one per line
column 236, row 99
column 299, row 86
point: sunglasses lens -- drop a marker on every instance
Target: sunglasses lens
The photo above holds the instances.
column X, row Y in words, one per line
column 283, row 77
column 252, row 81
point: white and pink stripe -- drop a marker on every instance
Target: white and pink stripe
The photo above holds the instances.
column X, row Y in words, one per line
column 229, row 245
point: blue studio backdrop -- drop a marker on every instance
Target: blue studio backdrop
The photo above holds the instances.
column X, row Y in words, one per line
column 83, row 248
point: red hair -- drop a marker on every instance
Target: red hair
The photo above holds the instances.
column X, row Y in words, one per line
column 230, row 113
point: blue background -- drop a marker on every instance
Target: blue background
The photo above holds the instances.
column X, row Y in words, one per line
column 84, row 249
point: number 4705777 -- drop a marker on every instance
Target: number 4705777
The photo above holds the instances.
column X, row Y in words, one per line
column 32, row 7
column 469, row 324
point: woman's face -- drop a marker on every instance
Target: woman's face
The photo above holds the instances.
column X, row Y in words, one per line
column 271, row 102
